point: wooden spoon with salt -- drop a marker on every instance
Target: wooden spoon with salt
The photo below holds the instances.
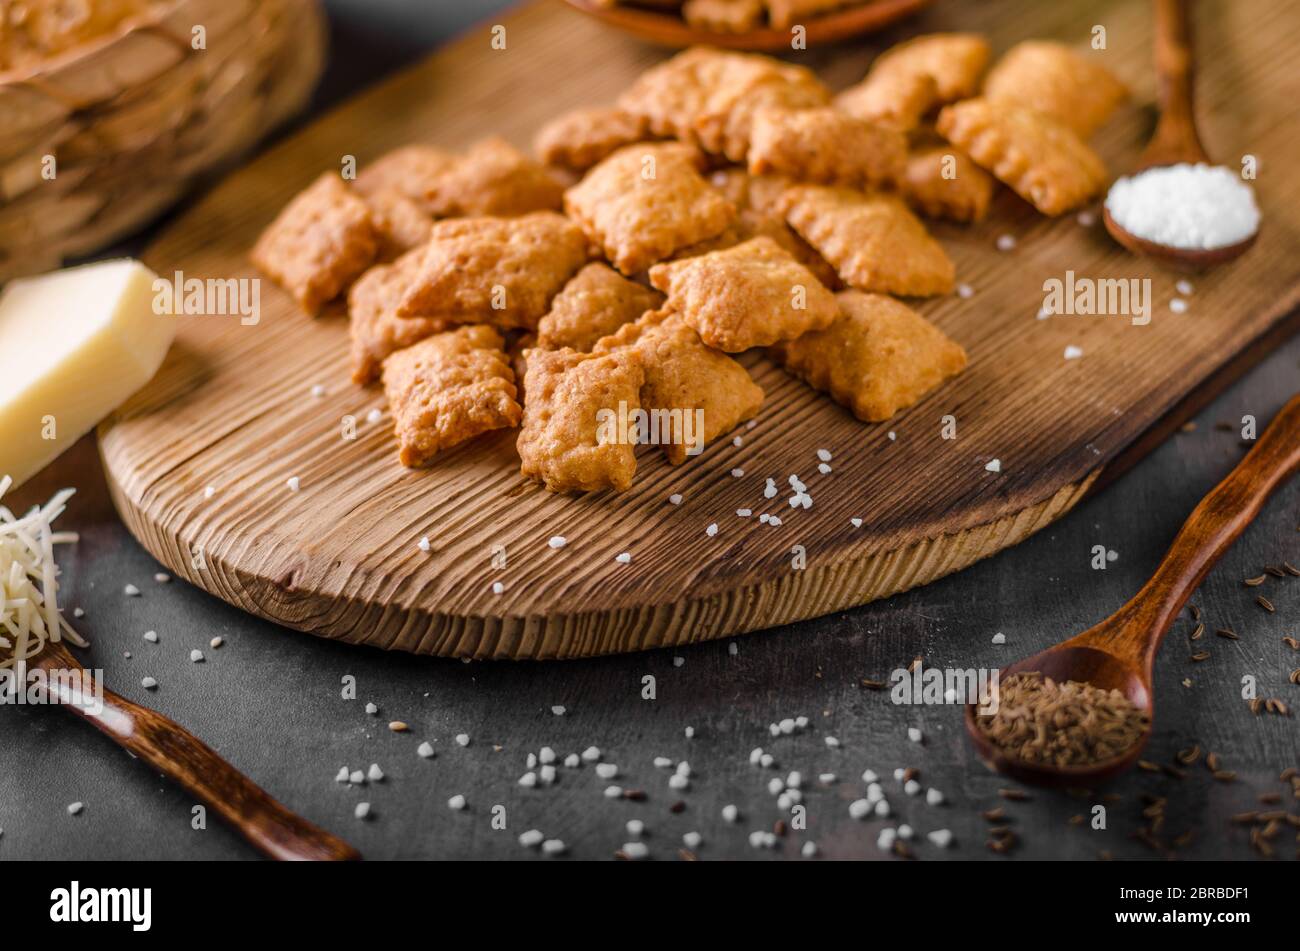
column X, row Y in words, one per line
column 1175, row 140
column 1119, row 653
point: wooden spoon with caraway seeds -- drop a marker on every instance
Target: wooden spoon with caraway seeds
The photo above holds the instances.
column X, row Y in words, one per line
column 1119, row 653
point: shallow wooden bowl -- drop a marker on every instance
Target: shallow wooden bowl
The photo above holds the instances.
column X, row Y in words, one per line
column 667, row 28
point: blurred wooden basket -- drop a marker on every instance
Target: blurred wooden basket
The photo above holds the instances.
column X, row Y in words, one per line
column 132, row 117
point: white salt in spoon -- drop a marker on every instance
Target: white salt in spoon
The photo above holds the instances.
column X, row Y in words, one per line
column 1186, row 212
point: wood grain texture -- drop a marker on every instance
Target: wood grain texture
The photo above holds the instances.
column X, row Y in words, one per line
column 231, row 408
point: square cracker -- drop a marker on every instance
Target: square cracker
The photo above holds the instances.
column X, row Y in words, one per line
column 1043, row 161
column 596, row 302
column 955, row 61
column 708, row 97
column 749, row 295
column 963, row 195
column 825, row 146
column 580, row 138
column 1052, row 78
column 683, row 375
column 880, row 356
column 724, row 16
column 494, row 178
column 560, row 444
column 890, row 98
column 400, row 222
column 872, row 240
column 373, row 325
column 448, row 388
column 319, row 243
column 646, row 202
column 412, row 170
column 500, row 271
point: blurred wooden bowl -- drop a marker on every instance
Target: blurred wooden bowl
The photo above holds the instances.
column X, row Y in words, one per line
column 667, row 28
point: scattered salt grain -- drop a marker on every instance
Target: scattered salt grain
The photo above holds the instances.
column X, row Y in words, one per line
column 823, row 468
column 75, row 808
column 528, row 780
column 1184, row 287
column 151, row 637
column 546, row 774
column 623, row 558
column 911, row 787
column 362, row 811
column 882, row 809
column 859, row 809
column 456, row 802
column 635, row 828
column 733, row 648
column 730, row 813
column 606, row 770
column 131, row 591
column 678, row 781
column 692, row 840
column 425, row 750
column 831, row 742
column 357, row 778
column 590, row 754
column 824, row 455
column 1178, row 305
column 999, row 638
column 558, row 710
column 343, row 774
column 775, row 785
column 1006, row 242
column 209, row 492
column 914, row 734
column 855, row 522
column 994, row 466
column 675, row 498
column 462, row 739
column 869, row 776
column 196, row 657
column 689, row 733
column 78, row 612
column 148, row 683
column 216, row 642
column 498, row 587
column 375, row 774
column 613, row 792
column 572, row 761
column 905, row 831
column 965, row 291
column 769, row 489
column 544, row 755
column 1086, row 219
column 738, row 473
column 940, row 837
column 738, row 441
column 1073, row 353
column 712, row 529
column 423, row 544
column 558, row 541
column 374, row 416
column 294, row 483
column 531, row 839
column 635, row 851
column 826, row 779
column 933, row 797
column 553, row 847
column 885, row 841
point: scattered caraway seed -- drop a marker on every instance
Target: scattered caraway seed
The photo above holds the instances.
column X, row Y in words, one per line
column 215, row 643
column 1266, row 604
column 397, row 726
column 1228, row 633
column 1015, row 795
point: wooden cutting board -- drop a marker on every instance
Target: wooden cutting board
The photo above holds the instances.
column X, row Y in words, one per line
column 233, row 407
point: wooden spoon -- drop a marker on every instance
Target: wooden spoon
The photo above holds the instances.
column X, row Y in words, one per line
column 178, row 754
column 1175, row 140
column 1119, row 652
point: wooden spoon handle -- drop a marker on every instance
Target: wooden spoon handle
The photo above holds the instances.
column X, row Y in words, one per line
column 1212, row 528
column 178, row 754
column 1175, row 138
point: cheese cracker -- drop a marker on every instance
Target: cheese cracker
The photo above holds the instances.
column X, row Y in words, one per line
column 580, row 138
column 1054, row 79
column 571, row 396
column 373, row 325
column 596, row 302
column 879, row 357
column 448, row 388
column 750, row 295
column 1043, row 161
column 941, row 181
column 872, row 240
column 825, row 146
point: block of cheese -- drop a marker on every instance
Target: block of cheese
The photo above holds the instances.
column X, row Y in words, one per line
column 74, row 344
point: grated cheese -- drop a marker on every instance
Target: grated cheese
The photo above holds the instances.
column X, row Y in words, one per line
column 29, row 610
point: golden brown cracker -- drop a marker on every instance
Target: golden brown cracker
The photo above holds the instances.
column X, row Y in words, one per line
column 787, row 13
column 872, row 240
column 571, row 398
column 596, row 302
column 415, row 171
column 955, row 61
column 750, row 295
column 1054, row 79
column 374, row 328
column 880, row 356
column 1043, row 161
column 448, row 388
column 500, row 271
column 724, row 16
column 645, row 202
column 319, row 243
column 683, row 375
column 400, row 222
column 495, row 178
column 580, row 138
column 890, row 98
column 941, row 181
column 825, row 146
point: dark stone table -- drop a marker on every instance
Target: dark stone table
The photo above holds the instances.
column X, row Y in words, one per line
column 270, row 700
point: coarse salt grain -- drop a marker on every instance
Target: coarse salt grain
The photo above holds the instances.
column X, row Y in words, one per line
column 558, row 710
column 374, row 416
column 375, row 774
column 196, row 657
column 553, row 847
column 362, row 811
column 425, row 750
column 1073, row 353
column 131, row 591
column 1006, row 242
column 999, row 638
column 859, row 808
column 623, row 558
column 294, row 483
column 933, row 797
column 730, row 813
column 456, row 802
column 557, row 541
column 148, row 683
column 675, row 498
column 965, row 291
column 498, row 587
column 994, row 465
column 809, row 850
column 1185, row 206
column 712, row 529
column 635, row 850
column 531, row 839
column 462, row 739
column 613, row 792
column 1178, row 305
column 151, row 637
column 1184, row 287
column 423, row 544
column 940, row 837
